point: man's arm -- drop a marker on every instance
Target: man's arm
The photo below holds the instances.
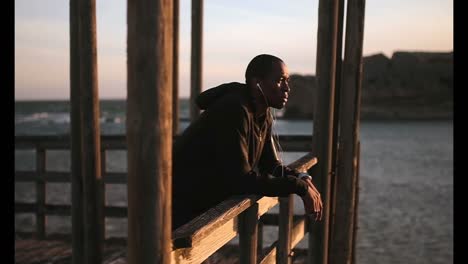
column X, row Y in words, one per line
column 269, row 162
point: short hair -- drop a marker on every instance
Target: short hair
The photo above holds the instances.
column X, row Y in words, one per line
column 260, row 66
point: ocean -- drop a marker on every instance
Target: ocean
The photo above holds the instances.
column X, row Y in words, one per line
column 406, row 181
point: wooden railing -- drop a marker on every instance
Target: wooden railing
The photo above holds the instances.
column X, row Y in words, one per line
column 204, row 235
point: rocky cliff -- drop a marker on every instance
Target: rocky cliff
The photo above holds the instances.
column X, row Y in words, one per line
column 409, row 85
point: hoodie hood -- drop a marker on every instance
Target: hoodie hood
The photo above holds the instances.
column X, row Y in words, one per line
column 208, row 97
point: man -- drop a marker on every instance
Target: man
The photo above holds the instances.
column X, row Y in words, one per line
column 229, row 149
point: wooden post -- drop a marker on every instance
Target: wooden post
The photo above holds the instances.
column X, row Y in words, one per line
column 323, row 124
column 350, row 113
column 248, row 233
column 285, row 227
column 175, row 70
column 356, row 202
column 149, row 130
column 260, row 237
column 90, row 133
column 75, row 139
column 336, row 116
column 40, row 193
column 196, row 64
column 103, row 189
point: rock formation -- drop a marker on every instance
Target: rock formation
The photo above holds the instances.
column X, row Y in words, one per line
column 410, row 85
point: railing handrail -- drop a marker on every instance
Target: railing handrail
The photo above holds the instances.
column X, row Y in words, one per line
column 62, row 141
column 196, row 240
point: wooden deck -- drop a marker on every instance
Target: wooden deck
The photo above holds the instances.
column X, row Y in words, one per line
column 58, row 250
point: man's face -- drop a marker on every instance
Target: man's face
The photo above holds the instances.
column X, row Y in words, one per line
column 276, row 87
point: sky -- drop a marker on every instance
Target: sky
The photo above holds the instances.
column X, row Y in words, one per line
column 233, row 33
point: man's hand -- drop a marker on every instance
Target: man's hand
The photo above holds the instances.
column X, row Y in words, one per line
column 312, row 201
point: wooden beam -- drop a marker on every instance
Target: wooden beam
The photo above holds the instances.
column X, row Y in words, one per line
column 196, row 65
column 203, row 225
column 356, row 203
column 350, row 111
column 202, row 249
column 40, row 193
column 248, row 234
column 149, row 130
column 284, row 230
column 323, row 123
column 85, row 125
column 297, row 234
column 75, row 139
column 175, row 68
column 336, row 116
column 298, row 143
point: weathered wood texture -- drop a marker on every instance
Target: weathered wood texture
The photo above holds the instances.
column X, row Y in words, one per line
column 175, row 68
column 336, row 116
column 196, row 60
column 40, row 193
column 300, row 143
column 75, row 138
column 323, row 123
column 87, row 190
column 59, row 251
column 149, row 129
column 342, row 239
column 248, row 234
column 196, row 240
column 193, row 241
column 284, row 233
column 356, row 203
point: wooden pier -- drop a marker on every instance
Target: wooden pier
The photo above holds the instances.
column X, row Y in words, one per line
column 152, row 90
column 191, row 243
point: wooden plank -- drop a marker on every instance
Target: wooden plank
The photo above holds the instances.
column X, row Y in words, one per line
column 118, row 142
column 299, row 230
column 273, row 219
column 203, row 225
column 342, row 239
column 297, row 234
column 248, row 232
column 285, row 226
column 265, row 204
column 102, row 189
column 356, row 203
column 64, row 209
column 196, row 59
column 175, row 68
column 43, row 141
column 63, row 141
column 40, row 194
column 270, row 255
column 90, row 132
column 149, row 129
column 323, row 122
column 113, row 142
column 21, row 208
column 49, row 176
column 336, row 116
column 304, row 163
column 260, row 236
column 64, row 177
column 202, row 249
column 115, row 177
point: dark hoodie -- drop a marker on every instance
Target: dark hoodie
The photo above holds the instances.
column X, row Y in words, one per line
column 226, row 151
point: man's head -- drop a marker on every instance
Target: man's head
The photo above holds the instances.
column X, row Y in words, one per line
column 270, row 76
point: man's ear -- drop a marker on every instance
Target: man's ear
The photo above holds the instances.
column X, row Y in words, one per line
column 255, row 81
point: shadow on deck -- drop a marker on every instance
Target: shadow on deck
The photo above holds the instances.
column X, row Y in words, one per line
column 57, row 249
